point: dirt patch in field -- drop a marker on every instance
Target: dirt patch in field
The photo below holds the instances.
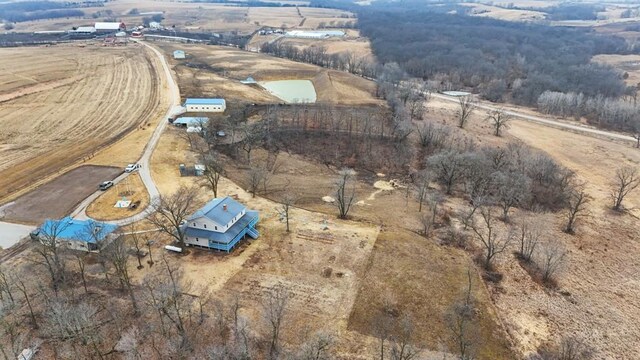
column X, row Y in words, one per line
column 424, row 290
column 57, row 198
column 130, row 189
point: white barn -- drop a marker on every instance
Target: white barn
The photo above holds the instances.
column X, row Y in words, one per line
column 106, row 27
column 205, row 105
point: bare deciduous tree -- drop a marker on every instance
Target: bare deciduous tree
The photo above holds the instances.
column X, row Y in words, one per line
column 50, row 251
column 460, row 322
column 530, row 233
column 626, row 180
column 118, row 254
column 466, row 109
column 577, row 207
column 172, row 211
column 274, row 310
column 551, row 259
column 317, row 347
column 492, row 242
column 345, row 191
column 213, row 171
column 401, row 346
column 449, row 169
column 432, row 136
column 500, row 121
column 510, row 190
column 284, row 209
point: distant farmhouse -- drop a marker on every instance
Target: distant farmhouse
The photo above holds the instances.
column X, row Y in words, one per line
column 205, row 105
column 88, row 235
column 220, row 225
column 179, row 54
column 109, row 27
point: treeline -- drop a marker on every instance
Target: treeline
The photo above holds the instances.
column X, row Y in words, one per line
column 317, row 55
column 504, row 60
column 36, row 10
column 604, row 112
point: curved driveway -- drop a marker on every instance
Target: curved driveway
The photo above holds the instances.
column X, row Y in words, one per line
column 145, row 172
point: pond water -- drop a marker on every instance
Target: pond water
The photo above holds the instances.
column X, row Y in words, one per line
column 291, row 91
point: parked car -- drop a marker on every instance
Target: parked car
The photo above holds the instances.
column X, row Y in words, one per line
column 221, row 133
column 34, row 234
column 132, row 168
column 105, row 185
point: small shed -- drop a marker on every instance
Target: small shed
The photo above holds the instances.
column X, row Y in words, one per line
column 249, row 81
column 179, row 54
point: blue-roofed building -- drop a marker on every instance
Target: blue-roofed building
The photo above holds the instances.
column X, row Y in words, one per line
column 85, row 235
column 205, row 105
column 220, row 225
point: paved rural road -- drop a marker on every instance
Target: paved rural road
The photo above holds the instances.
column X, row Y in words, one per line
column 145, row 171
column 545, row 121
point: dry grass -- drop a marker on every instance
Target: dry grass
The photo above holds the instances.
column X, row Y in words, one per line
column 227, row 66
column 76, row 100
column 193, row 16
column 130, row 188
column 411, row 276
column 625, row 63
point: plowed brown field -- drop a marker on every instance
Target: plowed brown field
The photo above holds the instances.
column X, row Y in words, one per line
column 58, row 105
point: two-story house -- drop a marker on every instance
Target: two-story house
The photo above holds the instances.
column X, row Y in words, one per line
column 220, row 225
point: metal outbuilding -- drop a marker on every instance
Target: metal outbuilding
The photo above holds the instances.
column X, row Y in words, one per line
column 179, row 54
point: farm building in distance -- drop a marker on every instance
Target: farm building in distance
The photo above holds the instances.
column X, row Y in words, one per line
column 179, row 54
column 205, row 105
column 81, row 235
column 220, row 225
column 109, row 27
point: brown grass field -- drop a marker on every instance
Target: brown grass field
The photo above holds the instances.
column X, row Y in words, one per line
column 224, row 67
column 61, row 104
column 196, row 16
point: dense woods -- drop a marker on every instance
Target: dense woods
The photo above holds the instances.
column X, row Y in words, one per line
column 36, row 10
column 494, row 56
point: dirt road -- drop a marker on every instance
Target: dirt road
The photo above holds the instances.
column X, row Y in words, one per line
column 145, row 173
column 546, row 121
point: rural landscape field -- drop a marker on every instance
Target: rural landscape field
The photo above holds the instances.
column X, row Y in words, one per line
column 319, row 180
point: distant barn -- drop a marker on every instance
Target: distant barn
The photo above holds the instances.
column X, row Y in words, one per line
column 205, row 105
column 110, row 27
column 179, row 54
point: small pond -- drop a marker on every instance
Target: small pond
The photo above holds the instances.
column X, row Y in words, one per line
column 291, row 91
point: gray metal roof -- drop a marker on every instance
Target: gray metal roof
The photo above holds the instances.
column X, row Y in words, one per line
column 215, row 210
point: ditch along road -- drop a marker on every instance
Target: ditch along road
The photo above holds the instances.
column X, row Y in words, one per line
column 80, row 212
column 585, row 130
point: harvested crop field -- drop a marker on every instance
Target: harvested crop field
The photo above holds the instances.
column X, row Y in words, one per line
column 58, row 197
column 61, row 104
column 217, row 71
